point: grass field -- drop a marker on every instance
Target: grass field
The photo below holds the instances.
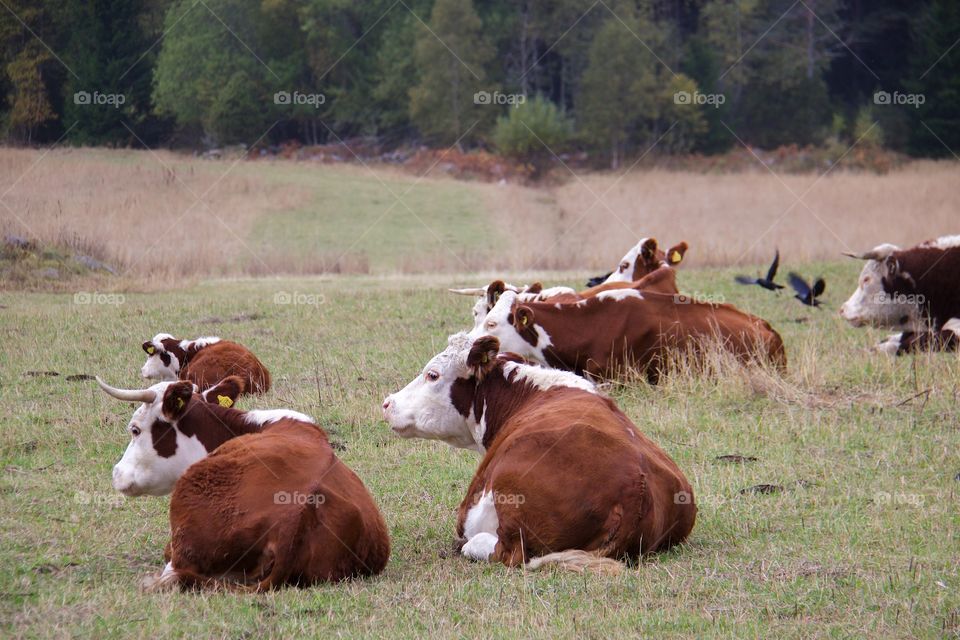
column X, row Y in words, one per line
column 862, row 540
column 166, row 217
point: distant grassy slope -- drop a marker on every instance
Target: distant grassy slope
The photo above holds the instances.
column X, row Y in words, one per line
column 393, row 220
column 862, row 541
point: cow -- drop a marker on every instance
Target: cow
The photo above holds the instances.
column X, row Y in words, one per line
column 605, row 335
column 645, row 257
column 662, row 280
column 566, row 478
column 259, row 499
column 203, row 361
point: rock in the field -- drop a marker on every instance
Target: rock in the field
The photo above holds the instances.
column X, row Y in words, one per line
column 94, row 264
column 18, row 242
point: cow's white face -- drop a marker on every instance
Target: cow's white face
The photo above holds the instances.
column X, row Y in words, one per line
column 160, row 364
column 871, row 305
column 424, row 408
column 500, row 324
column 158, row 453
column 624, row 271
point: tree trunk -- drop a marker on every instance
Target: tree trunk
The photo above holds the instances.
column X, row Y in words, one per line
column 525, row 70
column 810, row 48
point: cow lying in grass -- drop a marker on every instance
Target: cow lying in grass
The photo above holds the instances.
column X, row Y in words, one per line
column 204, row 362
column 566, row 478
column 259, row 500
column 614, row 331
column 643, row 258
column 654, row 271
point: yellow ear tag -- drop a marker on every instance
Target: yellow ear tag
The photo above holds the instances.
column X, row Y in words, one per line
column 179, row 403
column 224, row 401
column 151, row 350
column 523, row 320
column 485, row 359
column 676, row 257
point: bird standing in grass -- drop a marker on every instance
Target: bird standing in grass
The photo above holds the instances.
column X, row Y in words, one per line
column 805, row 293
column 766, row 283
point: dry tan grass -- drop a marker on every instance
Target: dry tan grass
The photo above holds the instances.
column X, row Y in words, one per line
column 150, row 215
column 731, row 218
column 139, row 211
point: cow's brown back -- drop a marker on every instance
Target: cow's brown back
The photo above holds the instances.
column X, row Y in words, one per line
column 570, row 471
column 221, row 359
column 272, row 509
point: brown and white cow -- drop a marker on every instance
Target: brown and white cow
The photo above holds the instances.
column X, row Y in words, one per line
column 645, row 257
column 259, row 498
column 566, row 478
column 907, row 289
column 663, row 279
column 605, row 335
column 204, row 362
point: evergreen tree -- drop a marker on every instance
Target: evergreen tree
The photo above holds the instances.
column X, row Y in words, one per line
column 451, row 58
column 30, row 76
column 106, row 50
column 619, row 88
column 935, row 75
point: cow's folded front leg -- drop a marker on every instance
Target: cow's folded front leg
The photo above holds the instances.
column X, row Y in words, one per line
column 480, row 547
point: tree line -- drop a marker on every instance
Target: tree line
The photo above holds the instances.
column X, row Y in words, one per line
column 528, row 78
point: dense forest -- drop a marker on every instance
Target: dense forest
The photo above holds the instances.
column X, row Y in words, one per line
column 609, row 77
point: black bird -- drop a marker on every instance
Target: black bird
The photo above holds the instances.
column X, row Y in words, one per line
column 766, row 283
column 805, row 293
column 592, row 282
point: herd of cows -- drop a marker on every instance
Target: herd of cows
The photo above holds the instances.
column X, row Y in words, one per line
column 260, row 500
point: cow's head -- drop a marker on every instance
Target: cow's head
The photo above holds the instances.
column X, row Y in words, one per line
column 164, row 358
column 427, row 406
column 512, row 323
column 159, row 451
column 882, row 298
column 645, row 257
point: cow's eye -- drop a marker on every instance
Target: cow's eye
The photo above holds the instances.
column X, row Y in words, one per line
column 432, row 376
column 491, row 324
column 624, row 266
column 135, row 431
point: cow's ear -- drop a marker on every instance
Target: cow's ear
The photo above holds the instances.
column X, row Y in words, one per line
column 522, row 318
column 675, row 254
column 148, row 348
column 225, row 392
column 494, row 290
column 483, row 354
column 536, row 287
column 649, row 249
column 176, row 398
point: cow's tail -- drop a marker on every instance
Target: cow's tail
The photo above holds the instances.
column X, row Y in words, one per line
column 578, row 561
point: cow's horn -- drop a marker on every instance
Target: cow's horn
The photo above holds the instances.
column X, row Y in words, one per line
column 130, row 395
column 475, row 291
column 866, row 255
